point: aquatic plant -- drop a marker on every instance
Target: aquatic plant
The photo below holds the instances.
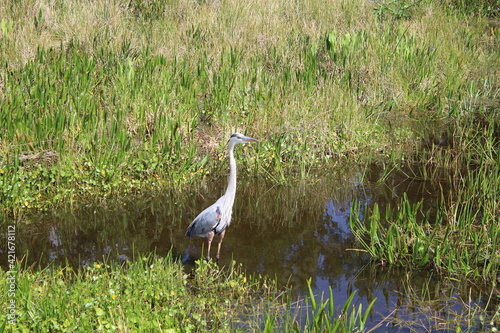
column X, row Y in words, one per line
column 460, row 239
column 462, row 314
column 449, row 244
column 321, row 315
column 147, row 294
column 154, row 293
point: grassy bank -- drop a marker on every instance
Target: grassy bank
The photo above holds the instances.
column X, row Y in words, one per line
column 155, row 294
column 105, row 99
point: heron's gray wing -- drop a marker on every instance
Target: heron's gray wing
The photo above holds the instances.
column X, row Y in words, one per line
column 205, row 222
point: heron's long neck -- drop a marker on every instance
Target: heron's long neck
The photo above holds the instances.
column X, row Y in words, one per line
column 231, row 184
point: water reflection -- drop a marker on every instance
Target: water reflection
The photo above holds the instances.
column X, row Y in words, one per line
column 293, row 233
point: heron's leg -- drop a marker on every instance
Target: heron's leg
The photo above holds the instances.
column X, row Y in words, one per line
column 210, row 238
column 218, row 246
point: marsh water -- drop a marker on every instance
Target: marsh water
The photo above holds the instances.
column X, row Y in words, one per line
column 292, row 233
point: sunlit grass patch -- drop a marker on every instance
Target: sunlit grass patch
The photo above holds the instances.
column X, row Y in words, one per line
column 150, row 293
column 132, row 92
column 153, row 293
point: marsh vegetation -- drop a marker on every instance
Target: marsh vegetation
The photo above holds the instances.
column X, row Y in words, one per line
column 107, row 104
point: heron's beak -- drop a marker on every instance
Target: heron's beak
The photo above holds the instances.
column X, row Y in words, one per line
column 249, row 139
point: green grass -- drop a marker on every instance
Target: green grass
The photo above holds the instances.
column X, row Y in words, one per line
column 459, row 156
column 155, row 294
column 448, row 246
column 148, row 294
column 323, row 316
column 461, row 237
column 149, row 92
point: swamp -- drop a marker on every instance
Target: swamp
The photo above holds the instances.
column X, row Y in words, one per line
column 369, row 204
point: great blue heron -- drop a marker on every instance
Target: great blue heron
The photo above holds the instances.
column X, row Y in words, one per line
column 215, row 219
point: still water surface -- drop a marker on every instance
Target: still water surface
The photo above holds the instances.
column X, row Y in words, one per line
column 292, row 233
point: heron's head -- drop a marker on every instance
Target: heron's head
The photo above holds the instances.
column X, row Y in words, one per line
column 240, row 138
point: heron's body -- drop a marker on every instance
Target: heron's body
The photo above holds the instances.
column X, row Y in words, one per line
column 215, row 219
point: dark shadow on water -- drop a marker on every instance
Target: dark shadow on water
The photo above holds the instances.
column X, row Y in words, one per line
column 292, row 233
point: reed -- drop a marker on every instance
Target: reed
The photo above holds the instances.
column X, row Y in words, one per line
column 427, row 302
column 460, row 239
column 319, row 315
